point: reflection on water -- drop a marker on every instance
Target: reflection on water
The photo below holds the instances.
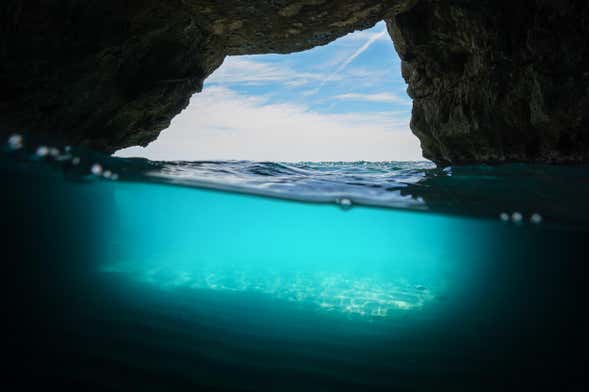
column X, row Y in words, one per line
column 365, row 297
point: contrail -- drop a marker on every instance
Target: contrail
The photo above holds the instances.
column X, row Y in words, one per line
column 357, row 53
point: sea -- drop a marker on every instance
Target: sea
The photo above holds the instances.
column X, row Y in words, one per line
column 129, row 274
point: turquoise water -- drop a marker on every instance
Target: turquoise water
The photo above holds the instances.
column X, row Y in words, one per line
column 260, row 276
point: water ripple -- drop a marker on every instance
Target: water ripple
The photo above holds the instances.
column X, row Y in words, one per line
column 513, row 193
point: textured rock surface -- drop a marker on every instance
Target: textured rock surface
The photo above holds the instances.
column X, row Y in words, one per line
column 492, row 81
column 496, row 81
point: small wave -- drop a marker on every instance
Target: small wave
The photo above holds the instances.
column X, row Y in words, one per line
column 372, row 183
column 532, row 193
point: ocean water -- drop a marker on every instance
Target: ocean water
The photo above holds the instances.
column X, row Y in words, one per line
column 125, row 274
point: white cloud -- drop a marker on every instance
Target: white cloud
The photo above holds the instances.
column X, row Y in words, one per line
column 249, row 70
column 366, row 35
column 378, row 97
column 244, row 70
column 222, row 124
column 308, row 93
column 371, row 39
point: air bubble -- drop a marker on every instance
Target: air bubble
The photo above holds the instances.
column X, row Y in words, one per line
column 96, row 169
column 15, row 141
column 68, row 149
column 114, row 177
column 536, row 218
column 107, row 174
column 42, row 151
column 75, row 161
column 54, row 152
column 504, row 216
column 517, row 217
column 344, row 203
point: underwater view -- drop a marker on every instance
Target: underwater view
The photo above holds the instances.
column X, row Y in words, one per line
column 313, row 276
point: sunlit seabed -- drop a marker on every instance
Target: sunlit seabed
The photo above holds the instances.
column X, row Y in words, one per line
column 325, row 291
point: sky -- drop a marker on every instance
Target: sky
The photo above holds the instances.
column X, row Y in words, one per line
column 345, row 101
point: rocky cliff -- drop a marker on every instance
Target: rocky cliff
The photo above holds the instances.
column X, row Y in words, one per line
column 491, row 81
column 496, row 81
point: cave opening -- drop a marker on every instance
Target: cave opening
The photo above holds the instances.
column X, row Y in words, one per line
column 345, row 101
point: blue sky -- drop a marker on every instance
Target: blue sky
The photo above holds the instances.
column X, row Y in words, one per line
column 345, row 101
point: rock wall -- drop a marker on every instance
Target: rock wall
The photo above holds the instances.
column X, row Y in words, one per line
column 491, row 81
column 497, row 81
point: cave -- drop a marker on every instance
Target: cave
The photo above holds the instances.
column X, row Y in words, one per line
column 491, row 81
column 125, row 273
